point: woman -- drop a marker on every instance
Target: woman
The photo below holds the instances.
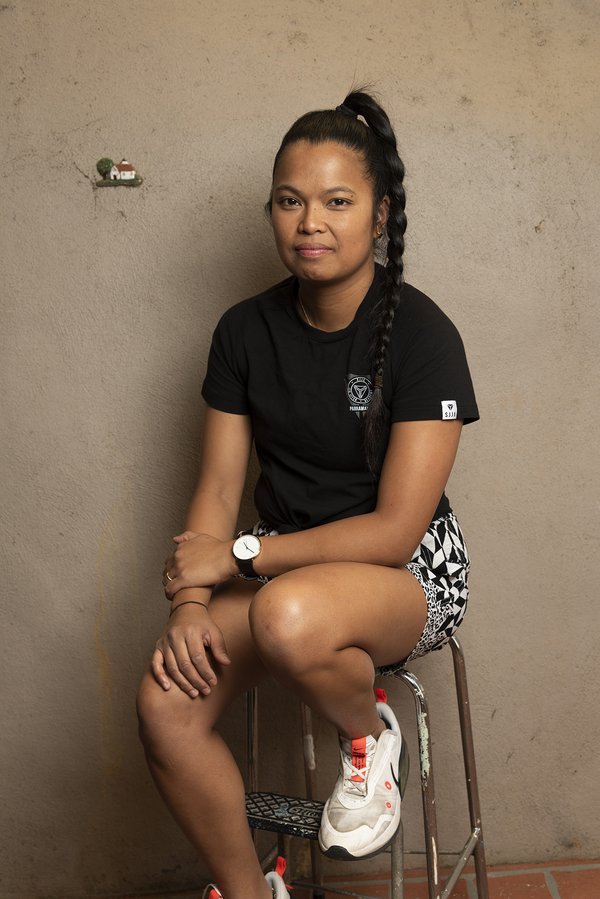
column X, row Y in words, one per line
column 354, row 387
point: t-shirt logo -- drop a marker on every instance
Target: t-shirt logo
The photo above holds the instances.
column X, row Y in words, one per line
column 449, row 409
column 359, row 391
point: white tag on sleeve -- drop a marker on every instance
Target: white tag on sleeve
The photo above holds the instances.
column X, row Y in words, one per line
column 449, row 409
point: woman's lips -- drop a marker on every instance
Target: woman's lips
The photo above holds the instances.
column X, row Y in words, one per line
column 310, row 251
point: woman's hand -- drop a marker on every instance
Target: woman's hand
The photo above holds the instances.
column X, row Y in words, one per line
column 200, row 560
column 184, row 650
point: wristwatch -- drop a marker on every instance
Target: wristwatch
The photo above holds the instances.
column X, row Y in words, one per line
column 245, row 549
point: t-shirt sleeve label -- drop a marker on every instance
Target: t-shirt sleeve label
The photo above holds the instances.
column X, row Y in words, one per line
column 449, row 409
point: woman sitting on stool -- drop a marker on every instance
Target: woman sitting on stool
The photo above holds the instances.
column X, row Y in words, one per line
column 354, row 387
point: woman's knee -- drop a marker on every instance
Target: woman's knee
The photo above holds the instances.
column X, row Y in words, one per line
column 284, row 626
column 149, row 706
column 161, row 714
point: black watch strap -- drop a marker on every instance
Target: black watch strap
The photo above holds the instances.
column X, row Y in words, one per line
column 246, row 567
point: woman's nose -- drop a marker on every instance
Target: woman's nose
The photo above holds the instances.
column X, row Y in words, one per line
column 311, row 221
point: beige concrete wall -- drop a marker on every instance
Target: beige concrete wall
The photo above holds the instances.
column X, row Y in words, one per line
column 108, row 301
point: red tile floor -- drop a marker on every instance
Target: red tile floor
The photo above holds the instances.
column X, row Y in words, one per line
column 547, row 880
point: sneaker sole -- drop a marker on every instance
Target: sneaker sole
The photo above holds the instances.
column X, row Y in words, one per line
column 340, row 852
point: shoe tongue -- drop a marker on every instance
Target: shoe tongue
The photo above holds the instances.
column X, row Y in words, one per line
column 359, row 758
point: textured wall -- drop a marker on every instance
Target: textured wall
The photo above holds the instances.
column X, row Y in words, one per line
column 108, row 300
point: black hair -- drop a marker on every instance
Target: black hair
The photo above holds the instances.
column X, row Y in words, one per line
column 373, row 138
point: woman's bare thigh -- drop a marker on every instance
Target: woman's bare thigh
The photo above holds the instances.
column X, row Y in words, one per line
column 338, row 604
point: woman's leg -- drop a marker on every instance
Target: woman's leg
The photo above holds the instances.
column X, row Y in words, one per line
column 319, row 630
column 323, row 629
column 191, row 765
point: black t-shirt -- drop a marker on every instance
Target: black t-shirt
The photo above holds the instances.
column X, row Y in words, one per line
column 306, row 392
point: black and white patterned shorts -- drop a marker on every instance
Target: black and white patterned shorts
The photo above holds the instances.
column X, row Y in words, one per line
column 441, row 565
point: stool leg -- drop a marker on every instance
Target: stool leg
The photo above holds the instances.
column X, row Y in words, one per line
column 310, row 767
column 466, row 731
column 398, row 863
column 252, row 738
column 427, row 786
column 252, row 745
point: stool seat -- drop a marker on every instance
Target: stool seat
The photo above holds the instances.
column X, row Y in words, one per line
column 284, row 814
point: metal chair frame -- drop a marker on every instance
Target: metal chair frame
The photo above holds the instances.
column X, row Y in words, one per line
column 286, row 815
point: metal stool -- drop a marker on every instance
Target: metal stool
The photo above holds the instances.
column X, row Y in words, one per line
column 287, row 815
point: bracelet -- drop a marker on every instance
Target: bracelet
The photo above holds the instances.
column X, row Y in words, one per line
column 193, row 602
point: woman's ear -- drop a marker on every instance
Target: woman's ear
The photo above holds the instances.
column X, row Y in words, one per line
column 383, row 210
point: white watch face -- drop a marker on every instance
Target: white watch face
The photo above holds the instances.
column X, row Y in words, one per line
column 246, row 547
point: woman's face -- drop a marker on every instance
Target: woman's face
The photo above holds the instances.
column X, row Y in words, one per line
column 322, row 212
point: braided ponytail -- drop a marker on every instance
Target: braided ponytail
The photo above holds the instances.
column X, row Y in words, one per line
column 391, row 172
column 374, row 140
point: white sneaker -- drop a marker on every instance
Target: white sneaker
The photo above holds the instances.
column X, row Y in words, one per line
column 363, row 813
column 211, row 892
column 275, row 881
column 273, row 878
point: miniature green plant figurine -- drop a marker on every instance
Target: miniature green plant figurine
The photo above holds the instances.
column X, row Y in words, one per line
column 104, row 166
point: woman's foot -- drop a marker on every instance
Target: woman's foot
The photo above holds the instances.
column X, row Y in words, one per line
column 363, row 812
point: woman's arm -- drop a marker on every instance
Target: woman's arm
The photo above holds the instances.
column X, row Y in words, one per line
column 191, row 642
column 224, row 454
column 417, row 465
column 226, row 444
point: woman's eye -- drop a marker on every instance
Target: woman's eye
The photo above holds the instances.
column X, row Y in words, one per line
column 287, row 202
column 339, row 201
